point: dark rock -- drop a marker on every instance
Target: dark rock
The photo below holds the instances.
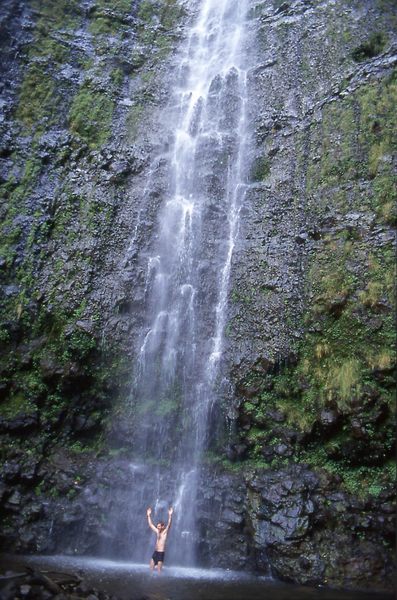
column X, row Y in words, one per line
column 15, row 499
column 301, row 238
column 85, row 325
column 11, row 471
column 25, row 590
column 85, row 423
column 20, row 423
column 329, row 418
column 283, row 450
column 276, row 416
column 35, row 511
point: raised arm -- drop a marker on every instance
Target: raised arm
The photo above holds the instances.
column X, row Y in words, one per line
column 149, row 519
column 170, row 511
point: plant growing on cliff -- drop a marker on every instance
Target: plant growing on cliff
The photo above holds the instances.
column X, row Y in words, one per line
column 37, row 98
column 90, row 115
column 372, row 47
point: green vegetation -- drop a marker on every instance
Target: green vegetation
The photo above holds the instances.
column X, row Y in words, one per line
column 160, row 38
column 45, row 47
column 90, row 115
column 37, row 99
column 260, row 170
column 15, row 405
column 357, row 141
column 109, row 19
column 346, row 361
column 56, row 14
column 39, row 104
column 16, row 193
column 169, row 11
column 117, row 77
column 372, row 47
column 361, row 481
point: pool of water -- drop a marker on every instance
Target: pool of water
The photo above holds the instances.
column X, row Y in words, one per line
column 131, row 581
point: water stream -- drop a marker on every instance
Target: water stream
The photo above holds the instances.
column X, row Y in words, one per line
column 178, row 358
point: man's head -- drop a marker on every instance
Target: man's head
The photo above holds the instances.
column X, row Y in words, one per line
column 160, row 526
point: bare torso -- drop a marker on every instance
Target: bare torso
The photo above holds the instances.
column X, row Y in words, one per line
column 161, row 539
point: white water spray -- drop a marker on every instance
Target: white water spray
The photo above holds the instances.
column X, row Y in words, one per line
column 188, row 271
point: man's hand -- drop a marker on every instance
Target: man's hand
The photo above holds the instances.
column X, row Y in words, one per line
column 149, row 519
column 170, row 511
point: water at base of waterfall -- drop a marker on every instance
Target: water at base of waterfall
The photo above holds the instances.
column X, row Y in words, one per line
column 130, row 581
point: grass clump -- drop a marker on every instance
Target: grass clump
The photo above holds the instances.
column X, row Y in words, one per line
column 371, row 48
column 343, row 380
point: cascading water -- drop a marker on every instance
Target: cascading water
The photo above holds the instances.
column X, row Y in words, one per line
column 187, row 273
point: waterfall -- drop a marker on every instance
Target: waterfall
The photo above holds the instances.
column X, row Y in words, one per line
column 178, row 355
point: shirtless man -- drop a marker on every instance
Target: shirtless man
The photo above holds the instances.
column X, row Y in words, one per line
column 161, row 532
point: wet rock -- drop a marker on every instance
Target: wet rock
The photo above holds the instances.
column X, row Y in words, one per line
column 85, row 423
column 276, row 416
column 329, row 418
column 301, row 238
column 25, row 590
column 283, row 450
column 11, row 471
column 20, row 423
column 34, row 511
column 15, row 499
column 236, row 452
column 85, row 325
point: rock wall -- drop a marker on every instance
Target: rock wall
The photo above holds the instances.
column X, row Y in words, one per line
column 304, row 482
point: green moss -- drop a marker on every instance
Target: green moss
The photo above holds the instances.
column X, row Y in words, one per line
column 122, row 6
column 260, row 170
column 378, row 122
column 16, row 404
column 37, row 102
column 90, row 115
column 347, row 356
column 147, row 10
column 172, row 11
column 385, row 198
column 106, row 25
column 57, row 14
column 47, row 47
column 357, row 141
column 16, row 195
column 117, row 77
column 372, row 47
column 110, row 19
column 161, row 39
column 215, row 459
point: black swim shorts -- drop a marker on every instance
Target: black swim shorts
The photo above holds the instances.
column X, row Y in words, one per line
column 158, row 557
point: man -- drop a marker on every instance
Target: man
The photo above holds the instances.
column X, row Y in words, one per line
column 161, row 532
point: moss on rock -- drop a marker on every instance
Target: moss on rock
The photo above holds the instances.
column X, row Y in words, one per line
column 90, row 115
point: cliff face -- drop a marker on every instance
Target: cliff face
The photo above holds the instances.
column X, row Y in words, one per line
column 304, row 484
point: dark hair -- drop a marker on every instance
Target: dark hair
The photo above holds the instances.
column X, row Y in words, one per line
column 161, row 523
